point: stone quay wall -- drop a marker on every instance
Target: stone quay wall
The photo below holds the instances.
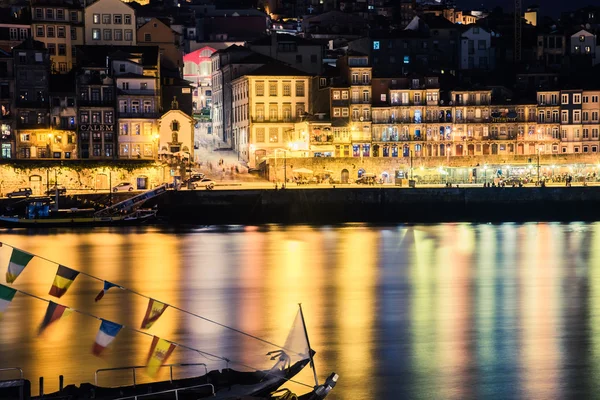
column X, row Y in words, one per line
column 381, row 205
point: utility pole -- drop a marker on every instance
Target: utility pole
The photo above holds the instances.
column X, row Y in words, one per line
column 284, row 168
column 538, row 168
column 411, row 165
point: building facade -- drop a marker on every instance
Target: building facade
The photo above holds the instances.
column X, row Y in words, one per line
column 267, row 103
column 157, row 33
column 59, row 25
column 138, row 101
column 32, row 68
column 110, row 22
column 7, row 105
column 176, row 133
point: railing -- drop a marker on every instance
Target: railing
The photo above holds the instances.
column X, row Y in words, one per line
column 6, row 96
column 31, row 125
column 139, row 92
column 175, row 391
column 32, row 104
column 21, row 378
column 139, row 115
column 279, row 120
column 133, row 369
column 96, row 103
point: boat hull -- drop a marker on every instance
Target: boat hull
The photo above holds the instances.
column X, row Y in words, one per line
column 18, row 222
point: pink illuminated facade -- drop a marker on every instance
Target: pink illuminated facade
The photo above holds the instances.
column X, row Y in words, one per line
column 197, row 70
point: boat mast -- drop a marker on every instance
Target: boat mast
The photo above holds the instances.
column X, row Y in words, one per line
column 312, row 362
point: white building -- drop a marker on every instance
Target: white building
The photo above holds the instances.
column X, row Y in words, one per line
column 476, row 49
column 584, row 43
column 176, row 133
column 138, row 101
column 110, row 22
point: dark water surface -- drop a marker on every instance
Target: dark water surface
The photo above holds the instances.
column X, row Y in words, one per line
column 452, row 311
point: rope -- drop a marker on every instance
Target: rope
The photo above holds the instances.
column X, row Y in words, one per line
column 284, row 394
column 170, row 305
column 203, row 353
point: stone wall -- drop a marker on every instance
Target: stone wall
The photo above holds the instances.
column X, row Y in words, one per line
column 79, row 179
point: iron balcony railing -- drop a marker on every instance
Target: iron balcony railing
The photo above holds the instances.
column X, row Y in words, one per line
column 139, row 115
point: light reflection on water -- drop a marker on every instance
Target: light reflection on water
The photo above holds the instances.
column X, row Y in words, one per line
column 438, row 311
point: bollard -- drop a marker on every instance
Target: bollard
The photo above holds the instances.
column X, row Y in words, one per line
column 41, row 386
column 61, row 380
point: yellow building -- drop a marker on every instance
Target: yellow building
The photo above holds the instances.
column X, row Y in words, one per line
column 59, row 25
column 266, row 105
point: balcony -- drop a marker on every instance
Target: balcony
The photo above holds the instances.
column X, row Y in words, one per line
column 6, row 96
column 322, row 139
column 279, row 120
column 138, row 92
column 32, row 104
column 31, row 125
column 95, row 103
column 147, row 115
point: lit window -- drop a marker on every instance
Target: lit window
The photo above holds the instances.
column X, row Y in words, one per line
column 376, row 45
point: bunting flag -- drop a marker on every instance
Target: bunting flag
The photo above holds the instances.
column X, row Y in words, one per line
column 107, row 285
column 158, row 355
column 18, row 262
column 53, row 313
column 153, row 313
column 6, row 296
column 106, row 334
column 62, row 281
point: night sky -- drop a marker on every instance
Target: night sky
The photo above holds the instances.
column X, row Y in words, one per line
column 547, row 7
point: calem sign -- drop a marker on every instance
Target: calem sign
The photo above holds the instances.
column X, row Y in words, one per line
column 96, row 127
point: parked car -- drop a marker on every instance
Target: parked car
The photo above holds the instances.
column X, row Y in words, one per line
column 52, row 190
column 206, row 183
column 123, row 187
column 194, row 178
column 21, row 192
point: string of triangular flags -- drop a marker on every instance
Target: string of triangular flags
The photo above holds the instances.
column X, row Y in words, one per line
column 66, row 276
column 160, row 349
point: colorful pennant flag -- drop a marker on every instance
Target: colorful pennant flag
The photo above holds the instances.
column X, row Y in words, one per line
column 53, row 313
column 153, row 313
column 6, row 296
column 158, row 355
column 62, row 281
column 18, row 262
column 107, row 285
column 106, row 334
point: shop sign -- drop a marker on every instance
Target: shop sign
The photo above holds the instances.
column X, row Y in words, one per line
column 96, row 127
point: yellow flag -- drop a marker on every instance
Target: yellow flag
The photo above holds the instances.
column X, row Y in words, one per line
column 153, row 312
column 158, row 355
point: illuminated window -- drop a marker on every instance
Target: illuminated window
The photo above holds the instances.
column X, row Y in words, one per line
column 376, row 45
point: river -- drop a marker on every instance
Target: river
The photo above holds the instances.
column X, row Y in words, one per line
column 453, row 311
